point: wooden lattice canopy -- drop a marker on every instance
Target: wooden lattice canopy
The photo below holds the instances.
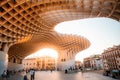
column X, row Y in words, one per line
column 28, row 25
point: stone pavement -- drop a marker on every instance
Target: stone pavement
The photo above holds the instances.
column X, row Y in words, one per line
column 95, row 76
column 17, row 76
column 57, row 75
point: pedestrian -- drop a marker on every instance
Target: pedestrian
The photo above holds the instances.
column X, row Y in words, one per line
column 25, row 77
column 4, row 74
column 32, row 74
column 51, row 70
column 8, row 73
column 66, row 71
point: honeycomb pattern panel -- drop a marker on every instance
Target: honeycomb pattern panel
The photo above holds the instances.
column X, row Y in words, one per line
column 26, row 21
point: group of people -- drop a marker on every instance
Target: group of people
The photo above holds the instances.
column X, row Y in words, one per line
column 32, row 75
column 6, row 74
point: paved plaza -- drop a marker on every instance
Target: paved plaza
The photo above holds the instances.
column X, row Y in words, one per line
column 55, row 75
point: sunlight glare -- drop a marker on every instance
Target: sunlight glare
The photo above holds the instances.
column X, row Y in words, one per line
column 44, row 52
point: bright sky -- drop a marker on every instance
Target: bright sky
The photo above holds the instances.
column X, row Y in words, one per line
column 44, row 52
column 101, row 32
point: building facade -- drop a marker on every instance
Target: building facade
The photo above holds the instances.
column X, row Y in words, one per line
column 111, row 58
column 78, row 65
column 96, row 62
column 86, row 62
column 41, row 63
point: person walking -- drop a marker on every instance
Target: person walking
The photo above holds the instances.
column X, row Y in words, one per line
column 25, row 77
column 4, row 75
column 32, row 74
column 51, row 70
column 8, row 73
